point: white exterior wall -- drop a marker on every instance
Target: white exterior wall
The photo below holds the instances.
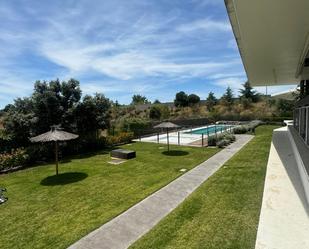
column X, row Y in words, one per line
column 301, row 168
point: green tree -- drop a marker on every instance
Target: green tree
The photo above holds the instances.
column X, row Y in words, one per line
column 92, row 114
column 19, row 120
column 285, row 107
column 181, row 99
column 55, row 103
column 193, row 99
column 211, row 101
column 157, row 101
column 228, row 97
column 155, row 112
column 138, row 99
column 248, row 93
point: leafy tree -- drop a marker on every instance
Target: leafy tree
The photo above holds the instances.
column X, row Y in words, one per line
column 193, row 99
column 228, row 97
column 155, row 112
column 19, row 121
column 92, row 114
column 285, row 107
column 211, row 101
column 116, row 104
column 157, row 101
column 138, row 99
column 55, row 103
column 165, row 111
column 181, row 99
column 249, row 93
column 135, row 125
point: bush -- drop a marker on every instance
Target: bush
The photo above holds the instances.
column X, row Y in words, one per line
column 240, row 129
column 212, row 141
column 40, row 152
column 16, row 158
column 221, row 139
column 83, row 145
column 229, row 137
column 222, row 143
column 135, row 125
column 5, row 141
column 247, row 127
column 155, row 112
column 123, row 137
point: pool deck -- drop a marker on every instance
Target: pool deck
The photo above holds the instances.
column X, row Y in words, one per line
column 185, row 137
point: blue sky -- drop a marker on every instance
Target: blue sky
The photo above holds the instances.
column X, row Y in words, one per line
column 119, row 47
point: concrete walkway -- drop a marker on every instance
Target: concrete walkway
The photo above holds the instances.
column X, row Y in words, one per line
column 128, row 227
column 284, row 221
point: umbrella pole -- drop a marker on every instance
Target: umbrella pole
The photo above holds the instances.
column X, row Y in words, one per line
column 168, row 143
column 56, row 156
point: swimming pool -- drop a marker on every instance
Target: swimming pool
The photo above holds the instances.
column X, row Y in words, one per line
column 210, row 129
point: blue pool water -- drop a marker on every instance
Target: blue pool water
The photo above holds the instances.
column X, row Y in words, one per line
column 211, row 129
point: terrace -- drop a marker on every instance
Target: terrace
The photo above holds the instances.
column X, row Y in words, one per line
column 274, row 45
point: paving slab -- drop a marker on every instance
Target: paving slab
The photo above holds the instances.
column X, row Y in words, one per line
column 125, row 229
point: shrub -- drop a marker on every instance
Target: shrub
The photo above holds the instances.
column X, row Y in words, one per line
column 155, row 112
column 222, row 143
column 135, row 125
column 247, row 127
column 229, row 137
column 212, row 141
column 5, row 141
column 123, row 137
column 15, row 158
column 240, row 129
column 40, row 152
column 221, row 140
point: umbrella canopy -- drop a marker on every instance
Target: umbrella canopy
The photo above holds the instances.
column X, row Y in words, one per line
column 56, row 134
column 167, row 125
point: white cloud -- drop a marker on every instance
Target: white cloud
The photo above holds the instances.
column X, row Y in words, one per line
column 133, row 44
column 205, row 25
column 235, row 83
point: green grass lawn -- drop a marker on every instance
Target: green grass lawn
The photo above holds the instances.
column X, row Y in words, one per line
column 44, row 212
column 223, row 213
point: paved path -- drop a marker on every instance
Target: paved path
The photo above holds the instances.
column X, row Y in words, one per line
column 128, row 227
column 284, row 221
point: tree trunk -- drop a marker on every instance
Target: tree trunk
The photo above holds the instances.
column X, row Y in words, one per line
column 56, row 156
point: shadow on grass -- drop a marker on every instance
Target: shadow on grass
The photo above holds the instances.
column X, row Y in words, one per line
column 175, row 153
column 63, row 179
